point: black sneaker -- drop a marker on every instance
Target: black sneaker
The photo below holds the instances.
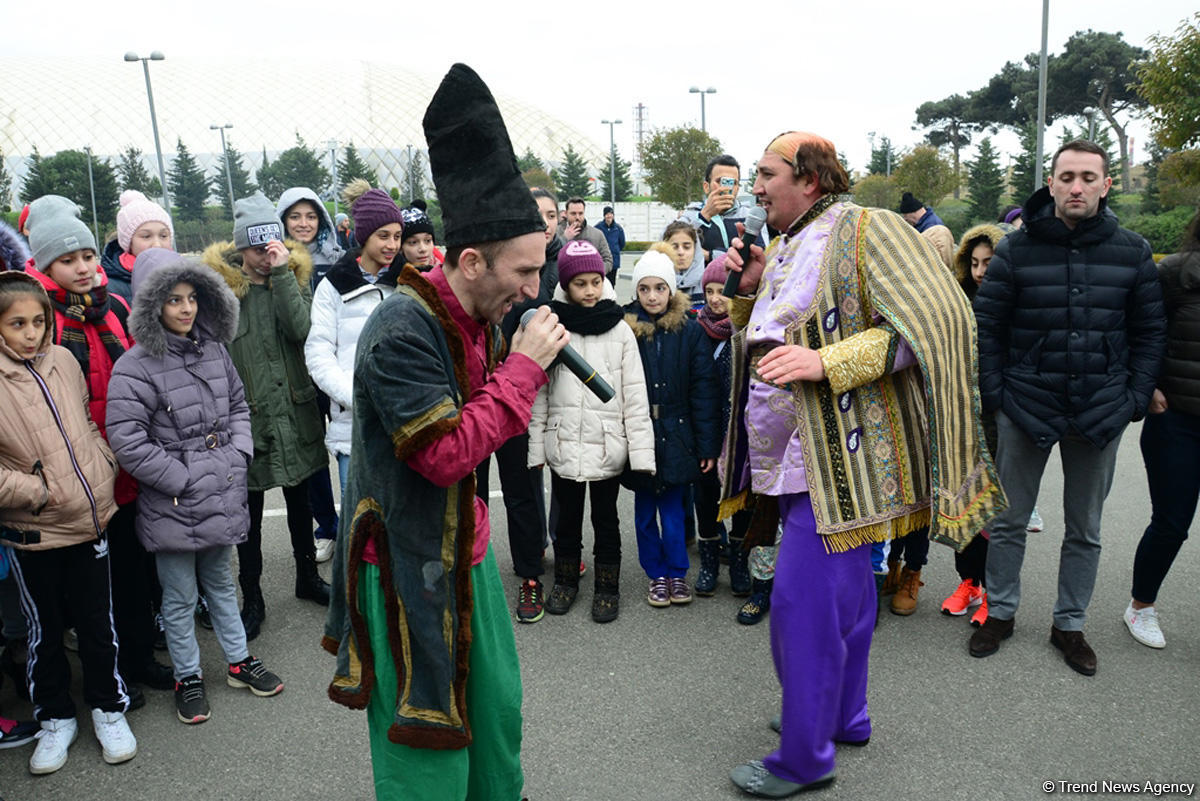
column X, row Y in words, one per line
column 202, row 615
column 251, row 674
column 160, row 633
column 191, row 704
column 529, row 602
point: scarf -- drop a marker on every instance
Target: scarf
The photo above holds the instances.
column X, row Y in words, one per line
column 598, row 319
column 718, row 327
column 79, row 311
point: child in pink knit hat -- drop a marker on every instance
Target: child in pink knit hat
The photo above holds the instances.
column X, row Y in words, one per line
column 141, row 224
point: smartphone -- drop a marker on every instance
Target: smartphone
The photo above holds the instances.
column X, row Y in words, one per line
column 728, row 182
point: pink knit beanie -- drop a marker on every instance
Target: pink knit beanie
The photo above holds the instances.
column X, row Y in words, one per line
column 715, row 272
column 136, row 211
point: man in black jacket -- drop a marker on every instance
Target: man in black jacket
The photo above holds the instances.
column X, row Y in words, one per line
column 1071, row 335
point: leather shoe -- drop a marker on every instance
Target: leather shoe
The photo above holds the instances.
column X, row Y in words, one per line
column 155, row 675
column 986, row 639
column 1075, row 650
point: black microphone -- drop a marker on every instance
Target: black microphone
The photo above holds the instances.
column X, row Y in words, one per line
column 753, row 224
column 576, row 364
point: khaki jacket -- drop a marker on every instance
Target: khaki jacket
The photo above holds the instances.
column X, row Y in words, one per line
column 54, row 505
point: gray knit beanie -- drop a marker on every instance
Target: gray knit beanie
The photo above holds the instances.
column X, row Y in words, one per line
column 255, row 222
column 56, row 230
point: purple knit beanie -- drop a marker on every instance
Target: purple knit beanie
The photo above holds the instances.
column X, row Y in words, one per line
column 715, row 272
column 577, row 257
column 1012, row 215
column 373, row 210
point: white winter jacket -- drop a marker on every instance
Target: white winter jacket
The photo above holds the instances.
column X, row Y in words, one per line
column 579, row 437
column 337, row 320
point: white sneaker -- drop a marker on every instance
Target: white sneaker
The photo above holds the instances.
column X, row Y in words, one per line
column 1143, row 625
column 325, row 549
column 53, row 741
column 114, row 735
column 1035, row 522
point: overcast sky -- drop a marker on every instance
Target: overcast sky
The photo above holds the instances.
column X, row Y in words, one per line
column 840, row 69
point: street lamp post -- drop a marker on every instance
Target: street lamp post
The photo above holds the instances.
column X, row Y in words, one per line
column 332, row 144
column 1041, row 111
column 162, row 173
column 702, row 92
column 1090, row 113
column 410, row 176
column 92, row 187
column 225, row 155
column 612, row 160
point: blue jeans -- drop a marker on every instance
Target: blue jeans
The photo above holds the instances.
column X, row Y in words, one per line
column 661, row 554
column 1171, row 450
column 343, row 460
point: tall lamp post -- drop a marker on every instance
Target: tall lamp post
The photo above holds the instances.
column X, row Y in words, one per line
column 612, row 160
column 92, row 187
column 1041, row 109
column 225, row 155
column 410, row 176
column 702, row 92
column 332, row 145
column 162, row 173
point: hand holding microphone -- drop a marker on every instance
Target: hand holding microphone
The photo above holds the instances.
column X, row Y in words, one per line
column 566, row 355
column 745, row 257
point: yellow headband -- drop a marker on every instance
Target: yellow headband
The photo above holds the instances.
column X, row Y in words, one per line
column 786, row 144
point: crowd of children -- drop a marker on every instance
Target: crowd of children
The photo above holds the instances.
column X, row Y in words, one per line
column 160, row 396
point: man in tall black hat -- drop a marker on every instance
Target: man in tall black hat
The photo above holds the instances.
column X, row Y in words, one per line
column 418, row 619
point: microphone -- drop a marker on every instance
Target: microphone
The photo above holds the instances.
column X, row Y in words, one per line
column 753, row 224
column 575, row 363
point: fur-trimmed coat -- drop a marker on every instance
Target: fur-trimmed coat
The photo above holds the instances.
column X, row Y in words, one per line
column 962, row 256
column 684, row 393
column 268, row 352
column 178, row 420
column 14, row 252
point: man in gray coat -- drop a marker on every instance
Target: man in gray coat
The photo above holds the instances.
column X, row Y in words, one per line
column 574, row 226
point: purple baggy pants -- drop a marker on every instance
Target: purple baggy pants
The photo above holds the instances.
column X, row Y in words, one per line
column 822, row 615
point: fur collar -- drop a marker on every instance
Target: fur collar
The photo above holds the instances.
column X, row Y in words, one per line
column 673, row 319
column 227, row 261
column 13, row 250
column 216, row 315
column 962, row 258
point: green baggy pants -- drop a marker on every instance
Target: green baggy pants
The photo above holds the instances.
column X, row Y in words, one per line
column 489, row 768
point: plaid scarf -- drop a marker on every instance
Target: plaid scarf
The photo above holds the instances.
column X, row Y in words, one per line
column 78, row 311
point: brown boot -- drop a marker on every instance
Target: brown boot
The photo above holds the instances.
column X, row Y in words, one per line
column 892, row 582
column 1075, row 650
column 986, row 639
column 904, row 602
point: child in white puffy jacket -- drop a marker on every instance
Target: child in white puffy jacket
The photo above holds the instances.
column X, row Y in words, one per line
column 585, row 441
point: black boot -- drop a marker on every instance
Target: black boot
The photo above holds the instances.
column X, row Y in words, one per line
column 739, row 568
column 710, row 564
column 606, row 601
column 254, row 608
column 758, row 604
column 566, row 586
column 309, row 584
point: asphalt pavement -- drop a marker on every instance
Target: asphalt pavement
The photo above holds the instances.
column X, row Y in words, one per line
column 662, row 703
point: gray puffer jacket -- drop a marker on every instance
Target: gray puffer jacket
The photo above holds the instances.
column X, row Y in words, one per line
column 178, row 419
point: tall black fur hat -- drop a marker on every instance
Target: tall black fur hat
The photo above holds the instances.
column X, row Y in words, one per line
column 483, row 197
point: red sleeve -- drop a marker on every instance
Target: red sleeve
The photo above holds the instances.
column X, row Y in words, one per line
column 496, row 412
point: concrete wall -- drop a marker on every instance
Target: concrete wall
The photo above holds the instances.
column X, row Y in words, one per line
column 643, row 222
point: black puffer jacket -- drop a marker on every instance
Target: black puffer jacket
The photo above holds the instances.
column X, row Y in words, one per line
column 1071, row 326
column 1180, row 380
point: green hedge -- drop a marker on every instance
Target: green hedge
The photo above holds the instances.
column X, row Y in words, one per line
column 1164, row 231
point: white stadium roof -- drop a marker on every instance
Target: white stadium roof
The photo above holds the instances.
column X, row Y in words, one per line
column 59, row 104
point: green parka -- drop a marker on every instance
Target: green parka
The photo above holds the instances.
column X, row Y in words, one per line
column 268, row 352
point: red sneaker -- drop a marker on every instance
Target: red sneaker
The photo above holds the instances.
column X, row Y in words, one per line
column 967, row 595
column 981, row 613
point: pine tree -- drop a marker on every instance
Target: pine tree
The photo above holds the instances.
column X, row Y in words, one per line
column 189, row 187
column 986, row 183
column 35, row 184
column 529, row 161
column 571, row 178
column 66, row 173
column 351, row 167
column 242, row 185
column 132, row 172
column 296, row 166
column 623, row 182
column 416, row 171
column 883, row 159
column 1023, row 173
column 265, row 175
column 6, row 186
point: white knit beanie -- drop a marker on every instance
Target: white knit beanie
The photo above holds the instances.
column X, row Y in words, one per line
column 136, row 211
column 655, row 265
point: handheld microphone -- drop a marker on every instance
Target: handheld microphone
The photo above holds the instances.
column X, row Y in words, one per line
column 576, row 364
column 753, row 224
